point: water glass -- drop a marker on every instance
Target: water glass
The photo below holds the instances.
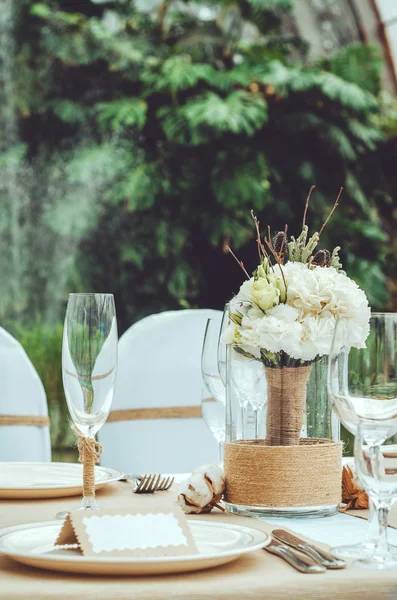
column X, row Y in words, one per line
column 376, row 469
column 362, row 385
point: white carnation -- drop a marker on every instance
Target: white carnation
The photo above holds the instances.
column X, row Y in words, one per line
column 317, row 337
column 285, row 312
column 245, row 292
column 278, row 334
column 229, row 334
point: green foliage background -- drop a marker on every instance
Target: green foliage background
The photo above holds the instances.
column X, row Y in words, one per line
column 176, row 119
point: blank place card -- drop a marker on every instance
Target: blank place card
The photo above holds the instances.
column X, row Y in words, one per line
column 160, row 532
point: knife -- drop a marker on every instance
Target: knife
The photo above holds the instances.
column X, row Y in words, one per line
column 295, row 559
column 321, row 556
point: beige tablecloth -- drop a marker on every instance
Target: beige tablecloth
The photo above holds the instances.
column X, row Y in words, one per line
column 257, row 576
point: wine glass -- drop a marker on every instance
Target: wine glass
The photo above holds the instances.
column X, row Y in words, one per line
column 221, row 345
column 248, row 377
column 209, row 361
column 213, row 412
column 89, row 364
column 377, row 473
column 362, row 384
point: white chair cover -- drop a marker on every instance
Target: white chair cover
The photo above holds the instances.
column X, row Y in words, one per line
column 159, row 365
column 21, row 393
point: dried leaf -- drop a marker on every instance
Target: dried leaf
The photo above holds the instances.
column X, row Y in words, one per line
column 352, row 496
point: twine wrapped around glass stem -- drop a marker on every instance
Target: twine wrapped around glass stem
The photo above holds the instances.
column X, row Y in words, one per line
column 89, row 453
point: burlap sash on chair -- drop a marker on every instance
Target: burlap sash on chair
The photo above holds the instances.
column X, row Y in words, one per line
column 163, row 412
column 32, row 420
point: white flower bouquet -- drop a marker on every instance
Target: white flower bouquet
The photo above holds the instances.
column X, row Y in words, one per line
column 285, row 314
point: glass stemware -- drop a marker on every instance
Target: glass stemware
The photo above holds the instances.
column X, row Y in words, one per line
column 221, row 345
column 377, row 473
column 213, row 412
column 209, row 361
column 249, row 382
column 362, row 384
column 89, row 364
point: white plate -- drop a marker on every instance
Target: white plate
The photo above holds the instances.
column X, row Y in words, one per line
column 217, row 544
column 48, row 479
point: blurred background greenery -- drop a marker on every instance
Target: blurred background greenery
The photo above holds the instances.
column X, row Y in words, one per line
column 136, row 136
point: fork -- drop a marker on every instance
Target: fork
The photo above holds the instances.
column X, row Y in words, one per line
column 151, row 483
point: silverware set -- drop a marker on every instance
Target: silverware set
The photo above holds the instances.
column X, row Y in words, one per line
column 149, row 483
column 301, row 555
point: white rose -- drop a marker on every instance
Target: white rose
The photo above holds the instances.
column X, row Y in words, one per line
column 264, row 294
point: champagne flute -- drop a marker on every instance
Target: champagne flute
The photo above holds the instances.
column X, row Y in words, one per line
column 249, row 382
column 89, row 364
column 221, row 345
column 214, row 415
column 362, row 384
column 209, row 361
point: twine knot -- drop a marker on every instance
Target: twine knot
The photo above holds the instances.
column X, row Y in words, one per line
column 89, row 453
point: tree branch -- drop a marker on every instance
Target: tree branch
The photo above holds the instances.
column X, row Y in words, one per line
column 261, row 248
column 336, row 204
column 239, row 262
column 269, row 244
column 307, row 205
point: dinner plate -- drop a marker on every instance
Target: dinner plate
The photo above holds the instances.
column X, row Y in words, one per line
column 48, row 479
column 217, row 544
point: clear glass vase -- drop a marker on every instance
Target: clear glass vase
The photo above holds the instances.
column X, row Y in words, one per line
column 279, row 421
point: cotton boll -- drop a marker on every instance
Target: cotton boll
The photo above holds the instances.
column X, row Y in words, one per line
column 186, row 503
column 202, row 490
column 194, row 494
column 216, row 476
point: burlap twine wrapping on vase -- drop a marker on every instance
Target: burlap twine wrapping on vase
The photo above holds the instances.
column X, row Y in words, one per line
column 89, row 453
column 283, row 470
column 308, row 474
column 286, row 405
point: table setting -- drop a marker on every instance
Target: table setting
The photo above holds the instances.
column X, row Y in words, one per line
column 282, row 514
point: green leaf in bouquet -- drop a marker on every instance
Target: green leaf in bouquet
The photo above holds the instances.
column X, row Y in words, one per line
column 236, row 317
